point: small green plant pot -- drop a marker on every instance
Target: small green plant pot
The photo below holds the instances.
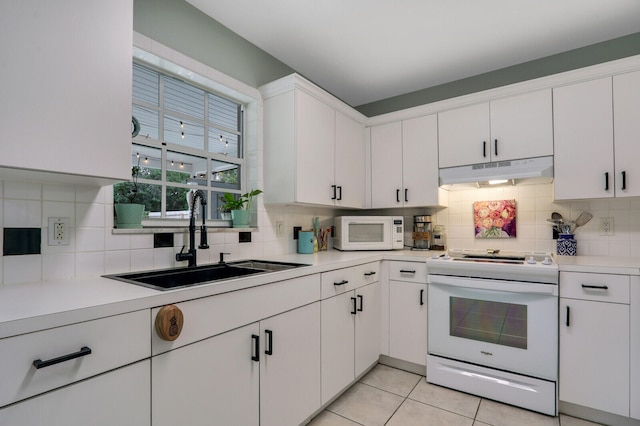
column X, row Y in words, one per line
column 129, row 216
column 240, row 218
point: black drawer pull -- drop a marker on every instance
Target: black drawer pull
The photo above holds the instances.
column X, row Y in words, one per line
column 495, row 149
column 334, row 187
column 339, row 193
column 354, row 311
column 407, row 271
column 361, row 302
column 596, row 287
column 606, row 181
column 38, row 363
column 368, row 274
column 484, row 149
column 256, row 350
column 421, row 296
column 568, row 313
column 624, row 180
column 397, row 195
column 269, row 350
column 343, row 282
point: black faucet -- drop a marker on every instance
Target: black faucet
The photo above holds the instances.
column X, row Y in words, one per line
column 191, row 254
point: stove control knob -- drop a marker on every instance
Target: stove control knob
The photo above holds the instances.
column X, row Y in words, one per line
column 531, row 261
column 546, row 261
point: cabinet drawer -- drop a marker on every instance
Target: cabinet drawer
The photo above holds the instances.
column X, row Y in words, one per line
column 599, row 287
column 367, row 273
column 114, row 341
column 408, row 271
column 338, row 281
column 213, row 315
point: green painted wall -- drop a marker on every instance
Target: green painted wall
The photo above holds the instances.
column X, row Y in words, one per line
column 573, row 59
column 184, row 28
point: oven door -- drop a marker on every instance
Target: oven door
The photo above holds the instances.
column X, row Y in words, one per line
column 507, row 325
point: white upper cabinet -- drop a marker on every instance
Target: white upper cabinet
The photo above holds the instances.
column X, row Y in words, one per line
column 626, row 127
column 66, row 87
column 583, row 133
column 404, row 167
column 313, row 147
column 508, row 128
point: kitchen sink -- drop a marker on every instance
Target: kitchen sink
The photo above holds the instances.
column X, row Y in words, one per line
column 167, row 279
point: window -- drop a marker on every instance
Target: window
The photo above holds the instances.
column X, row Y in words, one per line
column 189, row 138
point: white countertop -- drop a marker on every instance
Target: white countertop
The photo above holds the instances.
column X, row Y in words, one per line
column 37, row 306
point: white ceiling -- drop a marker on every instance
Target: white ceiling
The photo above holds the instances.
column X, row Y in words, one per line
column 367, row 50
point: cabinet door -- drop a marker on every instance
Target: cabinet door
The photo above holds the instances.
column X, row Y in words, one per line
column 290, row 372
column 349, row 162
column 420, row 161
column 315, row 134
column 626, row 119
column 583, row 135
column 211, row 381
column 77, row 118
column 337, row 338
column 464, row 136
column 594, row 355
column 386, row 165
column 635, row 347
column 408, row 321
column 120, row 397
column 522, row 126
column 367, row 330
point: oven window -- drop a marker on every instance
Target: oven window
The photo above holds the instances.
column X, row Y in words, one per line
column 492, row 322
column 366, row 232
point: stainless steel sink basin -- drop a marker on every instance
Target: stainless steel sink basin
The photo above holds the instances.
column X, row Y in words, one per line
column 167, row 279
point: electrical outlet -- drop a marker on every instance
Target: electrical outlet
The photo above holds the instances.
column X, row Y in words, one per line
column 606, row 226
column 58, row 234
column 279, row 228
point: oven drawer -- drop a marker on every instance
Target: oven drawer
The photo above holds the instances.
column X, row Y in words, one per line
column 415, row 272
column 598, row 287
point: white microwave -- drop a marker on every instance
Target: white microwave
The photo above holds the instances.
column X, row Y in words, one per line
column 368, row 233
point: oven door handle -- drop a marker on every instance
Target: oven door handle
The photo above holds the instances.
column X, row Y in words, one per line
column 494, row 285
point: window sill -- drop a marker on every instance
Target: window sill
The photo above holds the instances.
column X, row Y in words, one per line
column 153, row 227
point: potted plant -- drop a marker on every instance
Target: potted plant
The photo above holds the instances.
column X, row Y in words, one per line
column 239, row 207
column 128, row 213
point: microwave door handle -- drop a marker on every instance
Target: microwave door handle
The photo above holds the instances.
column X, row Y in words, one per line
column 493, row 285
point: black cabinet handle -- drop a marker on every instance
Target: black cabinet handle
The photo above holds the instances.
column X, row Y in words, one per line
column 397, row 195
column 568, row 314
column 361, row 298
column 354, row 311
column 421, row 296
column 368, row 274
column 624, row 180
column 339, row 193
column 596, row 287
column 333, row 187
column 407, row 271
column 406, row 195
column 606, row 181
column 484, row 149
column 343, row 282
column 256, row 348
column 269, row 346
column 38, row 363
column 495, row 147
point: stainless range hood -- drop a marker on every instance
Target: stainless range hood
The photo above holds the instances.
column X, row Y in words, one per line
column 524, row 171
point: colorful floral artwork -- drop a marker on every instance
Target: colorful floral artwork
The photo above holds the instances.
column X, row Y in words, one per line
column 495, row 219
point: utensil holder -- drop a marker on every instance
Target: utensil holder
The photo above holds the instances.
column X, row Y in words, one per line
column 566, row 245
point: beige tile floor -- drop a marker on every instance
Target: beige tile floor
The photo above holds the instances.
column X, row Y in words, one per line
column 392, row 397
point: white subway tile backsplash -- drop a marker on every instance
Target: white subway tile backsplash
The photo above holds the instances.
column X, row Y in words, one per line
column 22, row 213
column 21, row 269
column 141, row 260
column 58, row 209
column 89, row 263
column 60, row 193
column 116, row 262
column 23, row 191
column 90, row 215
column 90, row 239
column 58, row 266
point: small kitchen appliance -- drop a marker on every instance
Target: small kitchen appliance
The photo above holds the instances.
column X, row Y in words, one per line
column 368, row 233
column 421, row 232
column 493, row 326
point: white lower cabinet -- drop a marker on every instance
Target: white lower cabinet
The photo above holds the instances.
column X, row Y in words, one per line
column 214, row 379
column 594, row 341
column 408, row 321
column 290, row 366
column 120, row 397
column 350, row 337
column 634, row 307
